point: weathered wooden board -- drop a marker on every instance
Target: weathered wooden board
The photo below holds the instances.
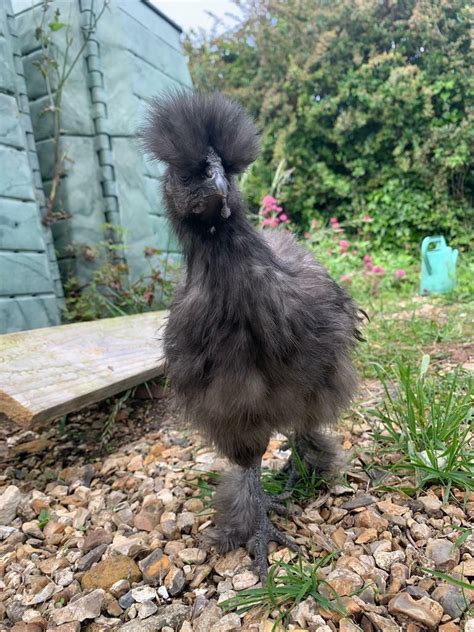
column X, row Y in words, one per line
column 46, row 373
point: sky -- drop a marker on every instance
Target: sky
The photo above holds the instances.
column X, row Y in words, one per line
column 193, row 13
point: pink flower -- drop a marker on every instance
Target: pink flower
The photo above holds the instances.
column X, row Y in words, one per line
column 269, row 201
column 378, row 270
column 367, row 259
column 148, row 296
column 400, row 273
column 271, row 221
column 283, row 217
column 344, row 245
column 334, row 220
column 315, row 223
column 307, row 235
column 366, row 218
column 345, row 278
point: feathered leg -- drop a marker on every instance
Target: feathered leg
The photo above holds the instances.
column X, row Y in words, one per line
column 242, row 516
column 315, row 451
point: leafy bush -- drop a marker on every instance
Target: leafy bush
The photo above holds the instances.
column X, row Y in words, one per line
column 367, row 102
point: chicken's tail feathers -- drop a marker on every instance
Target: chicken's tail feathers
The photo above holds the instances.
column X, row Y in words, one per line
column 182, row 125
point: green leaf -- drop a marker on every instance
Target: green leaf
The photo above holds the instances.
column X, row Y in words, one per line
column 57, row 26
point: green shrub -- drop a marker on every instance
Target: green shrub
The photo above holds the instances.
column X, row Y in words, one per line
column 368, row 104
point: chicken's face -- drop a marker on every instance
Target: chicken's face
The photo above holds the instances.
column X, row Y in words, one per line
column 202, row 195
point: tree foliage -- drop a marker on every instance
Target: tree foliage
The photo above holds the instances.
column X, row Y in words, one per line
column 366, row 100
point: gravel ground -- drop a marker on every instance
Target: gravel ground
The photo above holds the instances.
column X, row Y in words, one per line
column 94, row 539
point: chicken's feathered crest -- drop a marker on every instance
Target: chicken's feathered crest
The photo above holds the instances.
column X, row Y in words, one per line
column 182, row 126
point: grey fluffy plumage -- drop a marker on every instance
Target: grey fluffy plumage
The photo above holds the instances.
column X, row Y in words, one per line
column 259, row 337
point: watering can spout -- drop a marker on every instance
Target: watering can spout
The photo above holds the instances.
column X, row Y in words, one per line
column 438, row 266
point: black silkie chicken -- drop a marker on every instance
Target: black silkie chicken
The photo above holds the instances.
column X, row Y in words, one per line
column 259, row 337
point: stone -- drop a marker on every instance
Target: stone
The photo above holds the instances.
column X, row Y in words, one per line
column 231, row 563
column 469, row 625
column 120, row 588
column 168, row 524
column 431, row 504
column 382, row 624
column 72, row 626
column 171, row 615
column 210, row 616
column 228, row 623
column 43, row 595
column 155, row 567
column 193, row 556
column 451, row 599
column 244, row 580
column 95, row 538
column 425, row 611
column 26, row 627
column 175, row 581
column 9, row 502
column 398, row 575
column 359, row 501
column 305, row 614
column 185, row 521
column 135, row 464
column 32, row 529
column 346, row 625
column 370, row 518
column 449, row 627
column 85, row 607
column 194, row 505
column 106, row 573
column 146, row 521
column 385, row 559
column 367, row 535
column 466, row 568
column 112, row 606
column 146, row 609
column 344, row 582
column 63, row 577
column 143, row 593
column 85, row 562
column 444, row 555
column 126, row 600
column 420, row 531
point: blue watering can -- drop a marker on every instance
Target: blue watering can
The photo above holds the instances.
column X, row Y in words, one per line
column 438, row 266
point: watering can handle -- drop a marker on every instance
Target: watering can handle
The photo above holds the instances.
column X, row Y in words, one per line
column 427, row 241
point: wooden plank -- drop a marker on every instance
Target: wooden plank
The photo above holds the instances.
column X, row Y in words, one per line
column 46, row 373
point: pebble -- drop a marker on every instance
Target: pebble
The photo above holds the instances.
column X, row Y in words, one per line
column 146, row 609
column 95, row 555
column 424, row 611
column 244, row 580
column 305, row 614
column 431, row 504
column 193, row 556
column 85, row 607
column 344, row 582
column 171, row 615
column 175, row 581
column 95, row 538
column 210, row 616
column 452, row 600
column 155, row 567
column 228, row 623
column 143, row 593
column 370, row 518
column 9, row 502
column 359, row 501
column 231, row 563
column 385, row 559
column 106, row 573
column 444, row 555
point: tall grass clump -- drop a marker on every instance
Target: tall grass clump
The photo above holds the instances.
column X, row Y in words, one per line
column 428, row 420
column 287, row 586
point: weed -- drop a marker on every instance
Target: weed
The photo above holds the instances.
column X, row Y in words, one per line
column 428, row 422
column 287, row 585
column 43, row 518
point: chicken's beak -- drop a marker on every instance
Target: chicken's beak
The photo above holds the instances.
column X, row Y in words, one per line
column 219, row 182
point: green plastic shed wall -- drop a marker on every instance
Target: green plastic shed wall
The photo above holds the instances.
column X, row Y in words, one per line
column 30, row 288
